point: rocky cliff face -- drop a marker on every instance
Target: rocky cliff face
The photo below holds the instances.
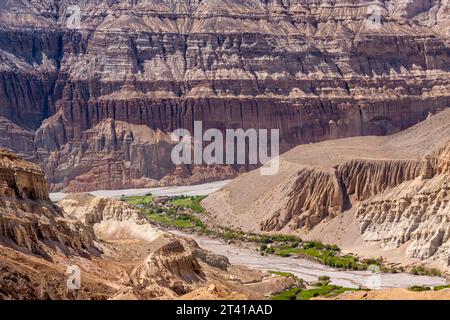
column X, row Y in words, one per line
column 315, row 195
column 119, row 253
column 21, row 179
column 92, row 104
column 390, row 192
column 28, row 220
column 443, row 162
column 415, row 213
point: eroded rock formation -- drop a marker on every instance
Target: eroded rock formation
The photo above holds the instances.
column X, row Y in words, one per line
column 28, row 220
column 119, row 253
column 92, row 104
column 21, row 179
column 394, row 190
column 314, row 195
column 364, row 179
column 319, row 194
column 416, row 213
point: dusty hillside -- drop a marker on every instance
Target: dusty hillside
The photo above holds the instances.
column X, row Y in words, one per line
column 119, row 253
column 369, row 194
column 93, row 104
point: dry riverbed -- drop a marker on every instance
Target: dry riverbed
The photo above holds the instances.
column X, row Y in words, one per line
column 247, row 255
column 242, row 253
column 194, row 190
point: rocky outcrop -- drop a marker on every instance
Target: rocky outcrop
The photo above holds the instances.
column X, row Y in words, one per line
column 389, row 193
column 443, row 161
column 173, row 265
column 416, row 213
column 314, row 196
column 28, row 220
column 21, row 179
column 170, row 266
column 316, row 70
column 118, row 252
column 364, row 179
column 317, row 195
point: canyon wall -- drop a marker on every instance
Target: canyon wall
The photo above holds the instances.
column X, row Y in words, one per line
column 389, row 194
column 93, row 104
column 416, row 213
column 315, row 195
column 29, row 221
column 21, row 179
column 117, row 251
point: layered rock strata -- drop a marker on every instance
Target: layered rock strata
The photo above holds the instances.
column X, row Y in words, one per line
column 396, row 187
column 21, row 179
column 115, row 250
column 28, row 220
column 416, row 213
column 88, row 102
column 319, row 194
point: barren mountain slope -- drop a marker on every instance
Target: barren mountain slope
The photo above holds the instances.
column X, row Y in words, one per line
column 119, row 253
column 93, row 104
column 389, row 192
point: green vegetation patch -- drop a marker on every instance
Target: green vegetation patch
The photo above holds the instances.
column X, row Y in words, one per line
column 290, row 294
column 192, row 203
column 139, row 200
column 321, row 288
column 229, row 235
column 183, row 221
column 423, row 271
column 286, row 251
column 282, row 274
column 322, row 291
column 323, row 253
column 314, row 249
column 158, row 211
column 419, row 288
column 439, row 288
